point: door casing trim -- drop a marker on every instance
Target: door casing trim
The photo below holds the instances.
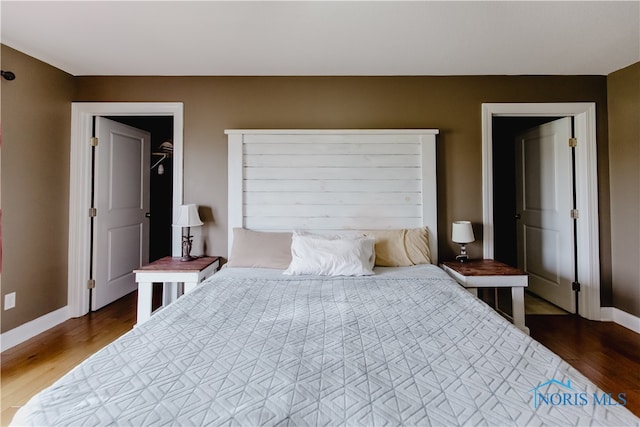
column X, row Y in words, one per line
column 82, row 114
column 584, row 114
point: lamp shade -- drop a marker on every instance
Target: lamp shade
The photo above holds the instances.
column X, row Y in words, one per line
column 462, row 232
column 188, row 216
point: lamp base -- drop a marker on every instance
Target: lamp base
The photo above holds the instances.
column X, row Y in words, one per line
column 462, row 258
column 186, row 247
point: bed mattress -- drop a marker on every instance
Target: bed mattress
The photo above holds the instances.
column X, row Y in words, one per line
column 407, row 346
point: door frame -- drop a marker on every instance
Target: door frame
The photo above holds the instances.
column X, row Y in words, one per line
column 584, row 114
column 82, row 114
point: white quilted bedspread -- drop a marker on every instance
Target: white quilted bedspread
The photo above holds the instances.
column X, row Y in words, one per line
column 253, row 347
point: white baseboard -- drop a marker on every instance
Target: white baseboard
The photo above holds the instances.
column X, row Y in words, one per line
column 622, row 318
column 30, row 329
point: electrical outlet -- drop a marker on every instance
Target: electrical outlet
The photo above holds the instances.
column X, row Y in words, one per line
column 9, row 300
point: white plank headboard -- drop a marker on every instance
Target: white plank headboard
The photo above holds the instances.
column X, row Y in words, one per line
column 333, row 180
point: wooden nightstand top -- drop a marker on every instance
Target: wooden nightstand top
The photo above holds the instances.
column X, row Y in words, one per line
column 483, row 267
column 171, row 264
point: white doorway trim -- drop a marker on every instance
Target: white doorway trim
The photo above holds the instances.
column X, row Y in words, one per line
column 82, row 114
column 584, row 114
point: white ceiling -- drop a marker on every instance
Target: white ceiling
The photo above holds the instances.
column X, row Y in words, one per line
column 325, row 38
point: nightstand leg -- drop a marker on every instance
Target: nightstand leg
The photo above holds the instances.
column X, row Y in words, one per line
column 145, row 297
column 517, row 299
column 169, row 293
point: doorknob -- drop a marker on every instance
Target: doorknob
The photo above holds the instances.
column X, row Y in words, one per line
column 147, row 215
column 517, row 216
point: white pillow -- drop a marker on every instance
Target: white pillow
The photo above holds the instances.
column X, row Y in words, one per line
column 331, row 256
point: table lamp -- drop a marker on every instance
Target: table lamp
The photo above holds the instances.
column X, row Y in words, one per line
column 462, row 233
column 187, row 217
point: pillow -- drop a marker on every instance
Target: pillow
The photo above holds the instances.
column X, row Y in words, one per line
column 400, row 248
column 260, row 249
column 341, row 235
column 331, row 255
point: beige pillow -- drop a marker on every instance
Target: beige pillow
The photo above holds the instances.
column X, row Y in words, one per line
column 400, row 248
column 260, row 249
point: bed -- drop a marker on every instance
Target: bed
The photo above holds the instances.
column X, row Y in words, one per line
column 263, row 343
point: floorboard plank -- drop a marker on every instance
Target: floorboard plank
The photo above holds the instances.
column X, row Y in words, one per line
column 606, row 353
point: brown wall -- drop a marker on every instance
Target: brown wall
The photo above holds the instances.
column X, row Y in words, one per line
column 451, row 104
column 36, row 117
column 212, row 104
column 624, row 158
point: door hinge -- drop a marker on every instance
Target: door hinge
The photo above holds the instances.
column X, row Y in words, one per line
column 93, row 212
column 575, row 214
column 575, row 286
column 91, row 283
column 93, row 141
column 573, row 142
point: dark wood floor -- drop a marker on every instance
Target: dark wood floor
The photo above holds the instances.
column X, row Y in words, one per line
column 606, row 353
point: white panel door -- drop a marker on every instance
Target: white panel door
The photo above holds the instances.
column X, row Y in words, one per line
column 121, row 196
column 544, row 201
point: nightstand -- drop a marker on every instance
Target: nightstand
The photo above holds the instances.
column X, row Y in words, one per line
column 488, row 273
column 171, row 270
